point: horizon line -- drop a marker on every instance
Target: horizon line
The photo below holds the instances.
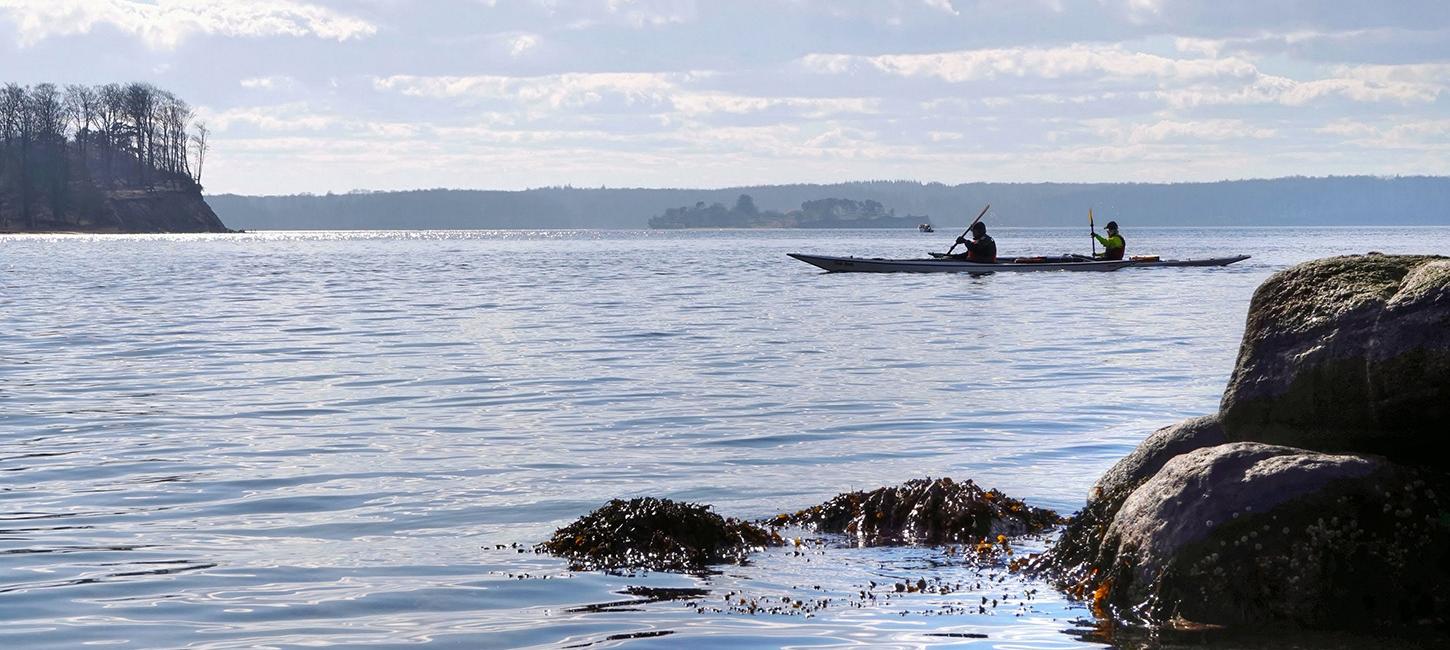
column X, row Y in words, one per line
column 568, row 186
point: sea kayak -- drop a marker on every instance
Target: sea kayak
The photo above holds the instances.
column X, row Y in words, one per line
column 1137, row 261
column 881, row 265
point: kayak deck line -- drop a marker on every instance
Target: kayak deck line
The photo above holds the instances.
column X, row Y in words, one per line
column 883, row 265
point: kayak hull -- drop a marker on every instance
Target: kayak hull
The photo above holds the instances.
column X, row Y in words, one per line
column 1212, row 261
column 1140, row 264
column 880, row 265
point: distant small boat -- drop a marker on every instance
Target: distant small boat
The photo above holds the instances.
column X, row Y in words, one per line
column 926, row 227
column 938, row 265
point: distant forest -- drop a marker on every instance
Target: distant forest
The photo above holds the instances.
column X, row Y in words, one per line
column 1293, row 201
column 64, row 152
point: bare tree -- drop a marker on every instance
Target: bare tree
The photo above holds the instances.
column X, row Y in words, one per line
column 12, row 112
column 199, row 142
column 113, row 111
column 140, row 100
column 81, row 103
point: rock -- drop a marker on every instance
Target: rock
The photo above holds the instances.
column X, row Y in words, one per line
column 926, row 512
column 158, row 211
column 1080, row 540
column 655, row 534
column 1248, row 533
column 1160, row 447
column 1347, row 354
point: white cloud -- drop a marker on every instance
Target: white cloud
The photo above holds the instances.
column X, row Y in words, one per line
column 275, row 82
column 521, row 43
column 1413, row 135
column 704, row 103
column 1077, row 60
column 1166, row 130
column 652, row 13
column 1427, row 74
column 943, row 5
column 660, row 92
column 164, row 24
column 1348, row 129
column 637, row 14
column 553, row 91
column 1271, row 89
column 297, row 116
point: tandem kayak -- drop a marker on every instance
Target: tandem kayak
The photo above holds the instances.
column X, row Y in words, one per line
column 1136, row 261
column 881, row 265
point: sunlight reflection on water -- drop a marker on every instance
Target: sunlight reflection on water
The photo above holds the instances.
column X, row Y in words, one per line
column 321, row 438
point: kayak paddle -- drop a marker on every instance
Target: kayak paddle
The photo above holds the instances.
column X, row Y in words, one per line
column 1094, row 232
column 969, row 228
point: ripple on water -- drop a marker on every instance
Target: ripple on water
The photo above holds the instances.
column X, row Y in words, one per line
column 354, row 438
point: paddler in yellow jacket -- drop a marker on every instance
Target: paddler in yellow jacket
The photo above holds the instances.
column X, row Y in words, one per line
column 1113, row 244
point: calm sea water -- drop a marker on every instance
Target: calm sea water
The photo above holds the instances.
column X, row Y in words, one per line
column 311, row 439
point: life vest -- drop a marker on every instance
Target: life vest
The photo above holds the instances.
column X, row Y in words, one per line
column 982, row 250
column 1111, row 252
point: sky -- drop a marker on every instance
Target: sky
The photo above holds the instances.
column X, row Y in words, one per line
column 332, row 96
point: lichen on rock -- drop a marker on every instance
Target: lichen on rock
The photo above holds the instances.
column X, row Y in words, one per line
column 1246, row 533
column 1079, row 544
column 1347, row 354
column 1313, row 498
column 655, row 534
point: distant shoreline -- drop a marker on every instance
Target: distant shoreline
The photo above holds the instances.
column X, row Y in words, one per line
column 1293, row 201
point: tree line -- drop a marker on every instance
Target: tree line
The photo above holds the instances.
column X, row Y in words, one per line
column 134, row 136
column 1290, row 201
column 817, row 213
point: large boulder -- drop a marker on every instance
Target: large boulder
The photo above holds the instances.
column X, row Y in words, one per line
column 1248, row 533
column 925, row 511
column 1347, row 354
column 655, row 534
column 1080, row 541
column 1160, row 447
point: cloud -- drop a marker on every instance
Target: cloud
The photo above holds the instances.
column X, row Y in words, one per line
column 1077, row 60
column 164, row 24
column 658, row 92
column 651, row 13
column 297, row 116
column 275, row 82
column 1413, row 135
column 553, row 91
column 704, row 103
column 586, row 14
column 520, row 43
column 1166, row 130
column 1272, row 89
column 943, row 5
column 1179, row 83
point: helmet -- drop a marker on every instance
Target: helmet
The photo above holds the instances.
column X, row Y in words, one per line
column 1112, row 225
column 979, row 227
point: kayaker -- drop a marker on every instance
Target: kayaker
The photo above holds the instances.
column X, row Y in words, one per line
column 1113, row 244
column 981, row 248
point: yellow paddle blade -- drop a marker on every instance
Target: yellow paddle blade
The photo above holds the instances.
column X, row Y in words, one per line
column 1090, row 216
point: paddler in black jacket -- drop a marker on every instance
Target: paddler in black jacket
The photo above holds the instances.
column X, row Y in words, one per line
column 1113, row 244
column 981, row 248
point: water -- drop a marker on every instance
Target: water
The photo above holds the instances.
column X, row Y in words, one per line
column 286, row 439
